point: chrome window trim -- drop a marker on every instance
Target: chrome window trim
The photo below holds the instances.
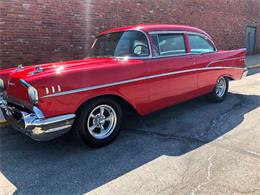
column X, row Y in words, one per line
column 185, row 32
column 176, row 55
column 207, row 38
column 171, row 32
column 179, row 32
column 151, row 56
column 159, row 47
column 136, row 79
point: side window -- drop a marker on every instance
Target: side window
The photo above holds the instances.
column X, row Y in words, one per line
column 133, row 44
column 200, row 44
column 171, row 44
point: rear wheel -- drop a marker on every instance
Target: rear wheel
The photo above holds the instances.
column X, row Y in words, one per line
column 98, row 122
column 220, row 90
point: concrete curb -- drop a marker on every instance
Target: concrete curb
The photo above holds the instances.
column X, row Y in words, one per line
column 253, row 66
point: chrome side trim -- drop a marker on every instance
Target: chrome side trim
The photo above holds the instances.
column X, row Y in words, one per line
column 52, row 89
column 25, row 83
column 47, row 90
column 223, row 60
column 59, row 89
column 135, row 80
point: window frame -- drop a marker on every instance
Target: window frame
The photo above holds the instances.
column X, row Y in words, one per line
column 169, row 33
column 186, row 40
column 203, row 37
column 131, row 57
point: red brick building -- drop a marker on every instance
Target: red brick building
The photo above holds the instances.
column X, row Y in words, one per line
column 43, row 31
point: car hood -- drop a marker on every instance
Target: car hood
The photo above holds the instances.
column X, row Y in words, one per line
column 68, row 75
column 35, row 71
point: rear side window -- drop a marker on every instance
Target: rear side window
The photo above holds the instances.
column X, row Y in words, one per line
column 169, row 44
column 200, row 44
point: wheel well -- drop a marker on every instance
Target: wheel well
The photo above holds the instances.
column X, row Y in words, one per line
column 127, row 108
column 229, row 77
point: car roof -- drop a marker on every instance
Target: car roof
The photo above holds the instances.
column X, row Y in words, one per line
column 157, row 27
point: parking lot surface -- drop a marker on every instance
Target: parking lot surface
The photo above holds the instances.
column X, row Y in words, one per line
column 195, row 147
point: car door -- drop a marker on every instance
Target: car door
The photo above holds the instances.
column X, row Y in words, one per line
column 204, row 51
column 170, row 71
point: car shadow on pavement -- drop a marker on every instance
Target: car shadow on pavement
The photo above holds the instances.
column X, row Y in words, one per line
column 253, row 71
column 62, row 166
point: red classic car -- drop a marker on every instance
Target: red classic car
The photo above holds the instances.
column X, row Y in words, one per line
column 144, row 67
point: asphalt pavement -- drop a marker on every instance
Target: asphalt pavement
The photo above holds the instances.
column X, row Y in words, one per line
column 195, row 147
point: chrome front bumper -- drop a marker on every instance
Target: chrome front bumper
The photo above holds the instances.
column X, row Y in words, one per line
column 35, row 124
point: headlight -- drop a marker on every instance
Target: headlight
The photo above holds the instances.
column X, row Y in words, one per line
column 2, row 87
column 33, row 94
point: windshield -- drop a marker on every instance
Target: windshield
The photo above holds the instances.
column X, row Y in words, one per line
column 121, row 44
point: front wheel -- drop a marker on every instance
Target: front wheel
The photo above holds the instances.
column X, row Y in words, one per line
column 220, row 90
column 98, row 122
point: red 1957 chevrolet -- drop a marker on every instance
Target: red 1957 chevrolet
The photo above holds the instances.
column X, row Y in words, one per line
column 144, row 67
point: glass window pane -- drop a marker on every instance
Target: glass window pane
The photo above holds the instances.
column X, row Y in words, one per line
column 171, row 44
column 199, row 44
column 121, row 44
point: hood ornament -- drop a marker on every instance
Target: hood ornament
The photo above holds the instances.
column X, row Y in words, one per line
column 37, row 69
column 19, row 68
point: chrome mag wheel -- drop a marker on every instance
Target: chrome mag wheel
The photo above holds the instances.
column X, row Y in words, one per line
column 101, row 121
column 221, row 87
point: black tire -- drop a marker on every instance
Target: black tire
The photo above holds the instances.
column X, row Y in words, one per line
column 81, row 128
column 214, row 96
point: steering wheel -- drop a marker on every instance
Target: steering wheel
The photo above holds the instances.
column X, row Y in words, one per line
column 140, row 45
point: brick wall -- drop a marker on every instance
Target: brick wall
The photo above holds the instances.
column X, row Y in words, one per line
column 40, row 31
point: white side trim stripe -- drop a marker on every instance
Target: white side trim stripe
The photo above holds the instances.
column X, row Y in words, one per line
column 135, row 80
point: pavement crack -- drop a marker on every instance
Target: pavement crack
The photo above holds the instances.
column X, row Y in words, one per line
column 166, row 136
column 210, row 164
column 253, row 153
column 201, row 138
column 222, row 117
